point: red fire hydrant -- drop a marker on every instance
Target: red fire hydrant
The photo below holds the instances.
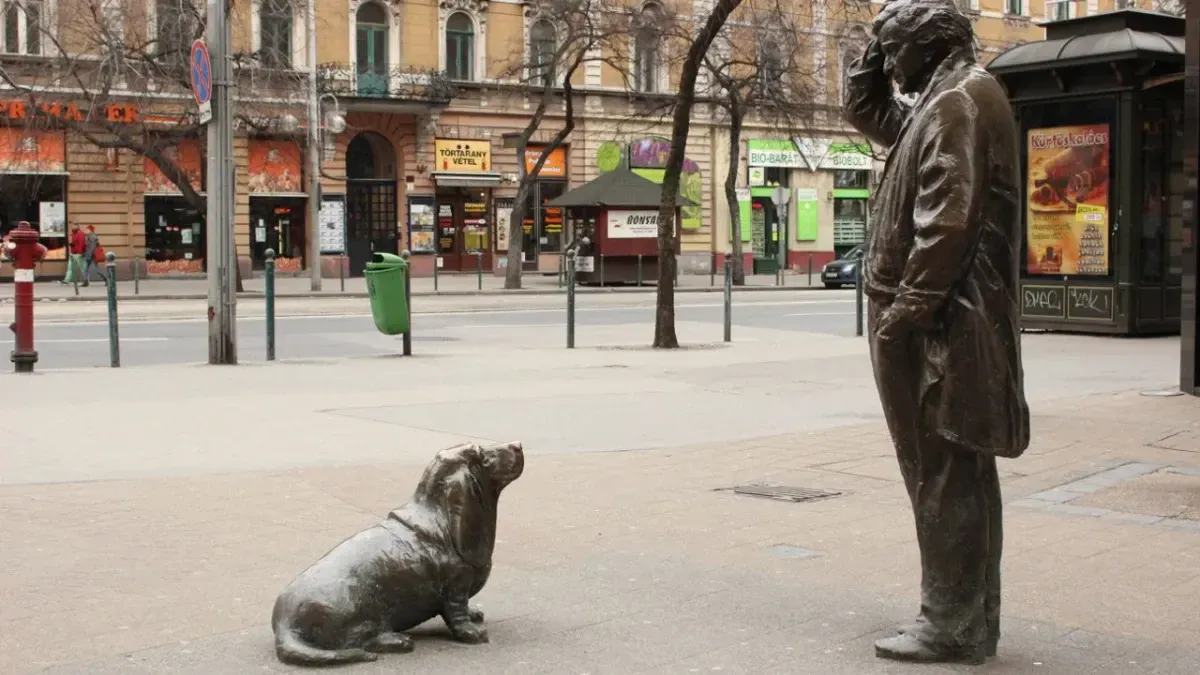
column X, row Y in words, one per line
column 25, row 252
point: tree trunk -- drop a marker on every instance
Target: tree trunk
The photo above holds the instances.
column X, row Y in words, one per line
column 736, row 115
column 668, row 232
column 516, row 231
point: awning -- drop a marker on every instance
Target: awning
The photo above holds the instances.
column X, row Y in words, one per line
column 466, row 179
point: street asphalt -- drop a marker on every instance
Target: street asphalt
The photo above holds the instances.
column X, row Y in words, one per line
column 497, row 321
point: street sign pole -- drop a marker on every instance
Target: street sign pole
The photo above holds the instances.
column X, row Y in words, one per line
column 781, row 196
column 222, row 256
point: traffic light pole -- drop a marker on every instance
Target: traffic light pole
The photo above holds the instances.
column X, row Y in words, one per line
column 221, row 253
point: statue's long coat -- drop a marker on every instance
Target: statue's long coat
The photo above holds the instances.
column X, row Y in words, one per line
column 944, row 247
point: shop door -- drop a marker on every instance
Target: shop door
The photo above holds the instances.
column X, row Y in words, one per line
column 765, row 225
column 449, row 222
column 370, row 221
column 278, row 225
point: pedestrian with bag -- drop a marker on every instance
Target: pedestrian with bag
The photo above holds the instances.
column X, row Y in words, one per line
column 93, row 256
column 76, row 247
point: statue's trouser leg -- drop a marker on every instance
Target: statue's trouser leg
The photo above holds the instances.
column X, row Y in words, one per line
column 955, row 495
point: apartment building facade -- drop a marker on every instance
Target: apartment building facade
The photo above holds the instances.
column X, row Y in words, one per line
column 418, row 101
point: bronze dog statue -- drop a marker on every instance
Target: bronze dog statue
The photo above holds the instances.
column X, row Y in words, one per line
column 426, row 559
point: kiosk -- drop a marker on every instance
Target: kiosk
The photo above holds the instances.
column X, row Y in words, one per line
column 1099, row 104
column 618, row 214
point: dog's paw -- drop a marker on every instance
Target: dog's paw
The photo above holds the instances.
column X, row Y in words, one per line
column 471, row 634
column 475, row 614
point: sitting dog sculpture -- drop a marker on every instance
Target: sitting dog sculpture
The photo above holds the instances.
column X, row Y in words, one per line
column 426, row 559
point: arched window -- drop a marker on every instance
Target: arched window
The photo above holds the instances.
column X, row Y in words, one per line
column 371, row 48
column 543, row 42
column 460, row 47
column 647, row 57
column 275, row 28
column 23, row 27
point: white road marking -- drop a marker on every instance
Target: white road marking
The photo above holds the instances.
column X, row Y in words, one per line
column 41, row 341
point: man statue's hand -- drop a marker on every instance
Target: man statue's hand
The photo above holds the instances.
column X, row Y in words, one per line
column 892, row 325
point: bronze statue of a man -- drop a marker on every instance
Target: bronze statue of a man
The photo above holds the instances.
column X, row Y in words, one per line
column 941, row 273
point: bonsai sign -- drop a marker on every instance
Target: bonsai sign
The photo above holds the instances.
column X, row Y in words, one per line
column 630, row 224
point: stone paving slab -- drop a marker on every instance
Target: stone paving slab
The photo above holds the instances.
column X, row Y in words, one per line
column 625, row 562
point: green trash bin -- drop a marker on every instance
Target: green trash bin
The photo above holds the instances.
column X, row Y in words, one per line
column 387, row 278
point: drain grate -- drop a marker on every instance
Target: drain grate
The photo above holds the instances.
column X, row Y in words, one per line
column 783, row 492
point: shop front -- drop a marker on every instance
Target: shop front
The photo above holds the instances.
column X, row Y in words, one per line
column 1102, row 128
column 462, row 205
column 278, row 204
column 174, row 228
column 33, row 187
column 542, row 226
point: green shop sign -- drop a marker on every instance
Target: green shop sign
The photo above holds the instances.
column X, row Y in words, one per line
column 774, row 153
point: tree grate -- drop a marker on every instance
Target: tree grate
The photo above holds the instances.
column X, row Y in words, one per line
column 783, row 492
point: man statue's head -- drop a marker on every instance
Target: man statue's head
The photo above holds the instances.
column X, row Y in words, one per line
column 917, row 35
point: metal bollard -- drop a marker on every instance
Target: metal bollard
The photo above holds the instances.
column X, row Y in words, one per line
column 342, row 272
column 728, row 299
column 639, row 271
column 562, row 265
column 270, row 297
column 407, row 339
column 712, row 271
column 136, row 277
column 858, row 300
column 810, row 269
column 110, row 283
column 601, row 270
column 78, row 272
column 571, row 297
column 479, row 270
column 436, row 260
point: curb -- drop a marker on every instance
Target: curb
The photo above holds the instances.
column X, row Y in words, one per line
column 433, row 294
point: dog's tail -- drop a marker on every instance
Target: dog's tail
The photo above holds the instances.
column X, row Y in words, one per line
column 291, row 649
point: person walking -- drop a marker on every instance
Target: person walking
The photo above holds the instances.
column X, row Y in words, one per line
column 77, row 246
column 92, row 254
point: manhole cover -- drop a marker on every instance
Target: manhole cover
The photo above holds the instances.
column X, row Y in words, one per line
column 783, row 492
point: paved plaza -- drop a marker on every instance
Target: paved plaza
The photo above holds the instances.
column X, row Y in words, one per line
column 153, row 513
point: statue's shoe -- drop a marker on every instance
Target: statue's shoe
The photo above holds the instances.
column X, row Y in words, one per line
column 906, row 647
column 916, row 627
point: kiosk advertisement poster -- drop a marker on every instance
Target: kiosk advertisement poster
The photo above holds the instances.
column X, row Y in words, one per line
column 1067, row 226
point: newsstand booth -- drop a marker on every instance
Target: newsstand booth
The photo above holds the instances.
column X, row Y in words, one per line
column 618, row 214
column 1099, row 104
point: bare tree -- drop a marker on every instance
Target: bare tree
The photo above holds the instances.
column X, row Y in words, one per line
column 564, row 35
column 763, row 65
column 668, row 233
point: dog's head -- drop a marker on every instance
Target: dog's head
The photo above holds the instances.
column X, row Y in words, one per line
column 462, row 486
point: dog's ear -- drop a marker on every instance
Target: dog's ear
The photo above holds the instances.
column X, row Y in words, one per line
column 471, row 523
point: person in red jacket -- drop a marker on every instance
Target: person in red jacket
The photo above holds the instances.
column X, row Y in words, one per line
column 78, row 246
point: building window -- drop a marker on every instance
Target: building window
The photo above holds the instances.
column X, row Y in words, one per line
column 771, row 67
column 647, row 58
column 542, row 59
column 23, row 27
column 460, row 47
column 844, row 179
column 1058, row 10
column 275, row 20
column 371, row 49
column 176, row 24
column 1015, row 7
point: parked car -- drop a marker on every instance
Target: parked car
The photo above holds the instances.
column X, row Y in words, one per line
column 841, row 272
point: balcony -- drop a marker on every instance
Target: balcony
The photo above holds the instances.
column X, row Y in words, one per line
column 400, row 85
